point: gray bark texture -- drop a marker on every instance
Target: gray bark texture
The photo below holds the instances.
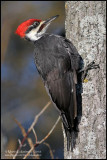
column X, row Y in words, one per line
column 85, row 27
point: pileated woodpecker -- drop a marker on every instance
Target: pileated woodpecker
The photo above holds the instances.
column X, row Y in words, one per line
column 60, row 67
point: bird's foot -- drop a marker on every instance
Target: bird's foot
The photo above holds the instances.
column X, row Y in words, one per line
column 85, row 70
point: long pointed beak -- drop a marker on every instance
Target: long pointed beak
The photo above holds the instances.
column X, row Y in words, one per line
column 47, row 22
column 51, row 19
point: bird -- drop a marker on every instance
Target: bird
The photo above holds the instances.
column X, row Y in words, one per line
column 59, row 65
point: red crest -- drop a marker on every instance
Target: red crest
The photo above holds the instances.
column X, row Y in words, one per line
column 24, row 26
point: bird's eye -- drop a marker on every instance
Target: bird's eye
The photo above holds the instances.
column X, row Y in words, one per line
column 36, row 24
column 32, row 26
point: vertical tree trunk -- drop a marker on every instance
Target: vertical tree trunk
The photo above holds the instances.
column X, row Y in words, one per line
column 85, row 27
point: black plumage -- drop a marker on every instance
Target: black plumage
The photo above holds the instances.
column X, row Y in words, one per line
column 61, row 68
column 58, row 63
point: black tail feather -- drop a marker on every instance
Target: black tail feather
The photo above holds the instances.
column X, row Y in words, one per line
column 68, row 140
column 71, row 133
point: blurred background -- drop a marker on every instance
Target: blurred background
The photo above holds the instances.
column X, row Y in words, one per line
column 22, row 92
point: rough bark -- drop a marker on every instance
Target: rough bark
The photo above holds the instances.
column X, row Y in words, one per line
column 85, row 27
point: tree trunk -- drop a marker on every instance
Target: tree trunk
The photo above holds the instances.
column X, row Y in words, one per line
column 85, row 27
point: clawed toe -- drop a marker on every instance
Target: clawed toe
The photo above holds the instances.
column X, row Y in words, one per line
column 85, row 70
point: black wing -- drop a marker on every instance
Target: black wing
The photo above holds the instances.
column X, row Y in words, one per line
column 58, row 65
column 61, row 81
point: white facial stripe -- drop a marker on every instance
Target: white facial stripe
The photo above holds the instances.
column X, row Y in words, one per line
column 33, row 35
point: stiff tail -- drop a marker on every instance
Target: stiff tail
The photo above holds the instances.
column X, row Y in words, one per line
column 69, row 117
column 70, row 132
